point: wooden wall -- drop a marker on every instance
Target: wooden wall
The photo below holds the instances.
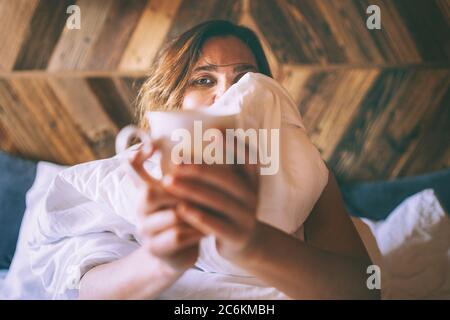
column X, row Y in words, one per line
column 376, row 102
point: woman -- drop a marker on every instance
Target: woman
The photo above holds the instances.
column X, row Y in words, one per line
column 193, row 72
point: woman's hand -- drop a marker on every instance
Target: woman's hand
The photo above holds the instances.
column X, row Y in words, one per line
column 219, row 200
column 165, row 235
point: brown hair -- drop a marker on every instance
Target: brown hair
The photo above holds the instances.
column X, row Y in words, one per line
column 169, row 74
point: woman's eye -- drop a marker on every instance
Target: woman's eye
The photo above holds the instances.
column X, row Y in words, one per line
column 203, row 81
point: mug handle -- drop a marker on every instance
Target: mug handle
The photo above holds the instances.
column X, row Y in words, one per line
column 127, row 133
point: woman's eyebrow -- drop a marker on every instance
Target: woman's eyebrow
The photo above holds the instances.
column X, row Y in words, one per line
column 209, row 67
column 244, row 67
column 238, row 68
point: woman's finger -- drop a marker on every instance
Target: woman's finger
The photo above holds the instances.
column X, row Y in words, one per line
column 153, row 197
column 172, row 240
column 208, row 223
column 224, row 177
column 158, row 222
column 137, row 160
column 210, row 197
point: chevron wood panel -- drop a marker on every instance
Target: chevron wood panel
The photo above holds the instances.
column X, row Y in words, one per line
column 38, row 124
column 334, row 31
column 325, row 103
column 400, row 128
column 126, row 34
column 375, row 102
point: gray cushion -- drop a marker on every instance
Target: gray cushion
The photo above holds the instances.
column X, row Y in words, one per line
column 16, row 177
column 376, row 200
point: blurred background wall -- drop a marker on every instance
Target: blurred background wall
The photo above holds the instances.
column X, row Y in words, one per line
column 375, row 102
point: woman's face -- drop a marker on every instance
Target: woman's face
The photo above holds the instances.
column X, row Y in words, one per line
column 224, row 60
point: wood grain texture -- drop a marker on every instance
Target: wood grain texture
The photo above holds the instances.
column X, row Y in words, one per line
column 396, row 121
column 41, row 127
column 47, row 23
column 149, row 34
column 125, row 35
column 6, row 141
column 429, row 27
column 193, row 12
column 326, row 105
column 87, row 112
column 72, row 49
column 14, row 15
column 112, row 41
column 110, row 99
column 329, row 32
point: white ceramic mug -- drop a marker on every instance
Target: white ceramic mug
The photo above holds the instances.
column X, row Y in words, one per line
column 162, row 125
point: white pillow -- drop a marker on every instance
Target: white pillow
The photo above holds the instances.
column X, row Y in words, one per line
column 413, row 249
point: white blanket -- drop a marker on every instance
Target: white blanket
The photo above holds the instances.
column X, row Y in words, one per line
column 413, row 249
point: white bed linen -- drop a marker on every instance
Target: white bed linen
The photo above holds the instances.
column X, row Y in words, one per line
column 413, row 249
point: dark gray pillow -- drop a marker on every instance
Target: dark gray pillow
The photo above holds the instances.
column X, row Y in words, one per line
column 376, row 200
column 16, row 177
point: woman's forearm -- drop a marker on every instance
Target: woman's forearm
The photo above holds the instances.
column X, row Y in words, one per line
column 136, row 276
column 302, row 271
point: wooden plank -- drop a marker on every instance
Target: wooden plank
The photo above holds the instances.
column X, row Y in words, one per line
column 430, row 149
column 106, row 52
column 16, row 120
column 40, row 124
column 144, row 45
column 87, row 112
column 14, row 19
column 112, row 103
column 329, row 32
column 247, row 20
column 43, row 33
column 193, row 12
column 71, row 51
column 329, row 101
column 444, row 7
column 429, row 27
column 7, row 143
column 387, row 131
column 394, row 41
column 295, row 80
column 273, row 23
